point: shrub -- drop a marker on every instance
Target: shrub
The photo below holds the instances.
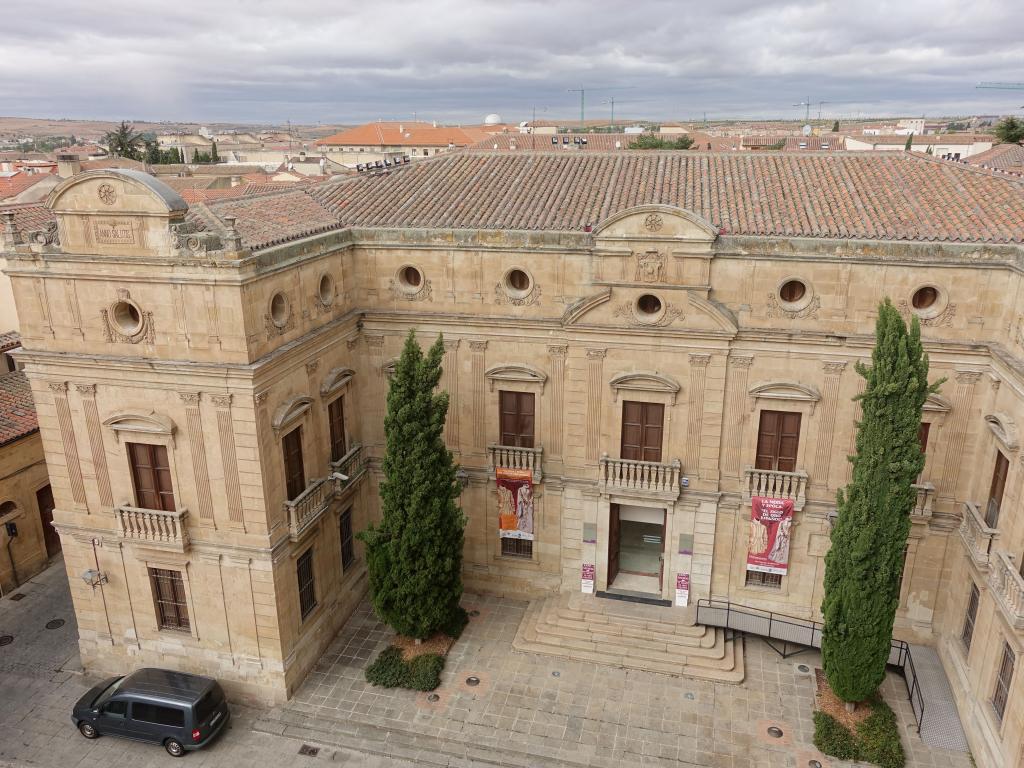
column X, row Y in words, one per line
column 390, row 670
column 456, row 623
column 879, row 737
column 832, row 738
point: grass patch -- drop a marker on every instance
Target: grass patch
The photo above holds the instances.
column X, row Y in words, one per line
column 875, row 740
column 390, row 670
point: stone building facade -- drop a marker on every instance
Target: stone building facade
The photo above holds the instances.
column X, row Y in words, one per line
column 659, row 338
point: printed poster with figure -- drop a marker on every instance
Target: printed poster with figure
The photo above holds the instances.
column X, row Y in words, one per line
column 771, row 526
column 515, row 503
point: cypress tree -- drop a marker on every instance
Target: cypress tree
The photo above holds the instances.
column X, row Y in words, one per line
column 864, row 565
column 909, row 143
column 414, row 557
column 214, row 157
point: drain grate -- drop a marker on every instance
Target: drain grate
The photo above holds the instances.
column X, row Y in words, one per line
column 6, row 639
column 433, row 697
column 309, row 751
column 775, row 732
column 17, row 596
column 556, row 673
column 474, row 613
column 472, row 680
column 690, row 696
column 813, row 764
column 803, row 668
column 55, row 623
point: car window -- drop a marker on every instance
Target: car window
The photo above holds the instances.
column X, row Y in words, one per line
column 116, row 707
column 208, row 704
column 110, row 691
column 155, row 713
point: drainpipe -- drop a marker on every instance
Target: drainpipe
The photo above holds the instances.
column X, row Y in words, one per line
column 14, row 569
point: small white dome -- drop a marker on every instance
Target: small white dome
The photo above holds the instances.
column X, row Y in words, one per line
column 492, row 119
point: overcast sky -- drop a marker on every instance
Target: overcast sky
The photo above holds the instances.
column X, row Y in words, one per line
column 456, row 60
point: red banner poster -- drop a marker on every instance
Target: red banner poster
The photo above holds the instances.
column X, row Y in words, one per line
column 515, row 503
column 771, row 525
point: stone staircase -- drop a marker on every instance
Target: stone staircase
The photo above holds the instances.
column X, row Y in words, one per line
column 629, row 635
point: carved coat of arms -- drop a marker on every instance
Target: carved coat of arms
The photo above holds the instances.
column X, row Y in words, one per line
column 650, row 267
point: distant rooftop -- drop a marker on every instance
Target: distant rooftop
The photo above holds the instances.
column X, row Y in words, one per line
column 17, row 408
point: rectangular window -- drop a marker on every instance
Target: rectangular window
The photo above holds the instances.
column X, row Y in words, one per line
column 336, row 417
column 967, row 634
column 1003, row 680
column 169, row 594
column 642, row 427
column 778, row 437
column 294, row 473
column 155, row 713
column 347, row 551
column 151, row 475
column 759, row 579
column 307, row 583
column 517, row 548
column 517, row 417
column 995, row 491
column 922, row 435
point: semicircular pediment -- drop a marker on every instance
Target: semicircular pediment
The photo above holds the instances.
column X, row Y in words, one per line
column 657, row 221
column 335, row 379
column 791, row 391
column 645, row 381
column 1004, row 428
column 150, row 423
column 937, row 403
column 115, row 191
column 291, row 411
column 520, row 373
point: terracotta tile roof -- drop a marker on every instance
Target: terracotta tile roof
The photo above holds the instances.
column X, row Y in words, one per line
column 113, row 162
column 30, row 216
column 265, row 220
column 930, row 138
column 12, row 184
column 542, row 142
column 884, row 196
column 1008, row 158
column 9, row 340
column 17, row 409
column 239, row 190
column 397, row 134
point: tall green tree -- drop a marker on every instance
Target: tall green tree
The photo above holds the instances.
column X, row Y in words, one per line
column 1010, row 130
column 835, row 127
column 650, row 141
column 124, row 141
column 909, row 143
column 864, row 565
column 414, row 557
column 214, row 157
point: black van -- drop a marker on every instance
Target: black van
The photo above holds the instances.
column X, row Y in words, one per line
column 183, row 712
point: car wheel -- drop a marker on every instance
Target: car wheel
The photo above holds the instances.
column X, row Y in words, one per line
column 174, row 748
column 87, row 730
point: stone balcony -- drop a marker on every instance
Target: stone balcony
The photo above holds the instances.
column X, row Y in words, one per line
column 1007, row 588
column 776, row 485
column 352, row 465
column 511, row 457
column 976, row 536
column 645, row 478
column 925, row 502
column 305, row 509
column 154, row 527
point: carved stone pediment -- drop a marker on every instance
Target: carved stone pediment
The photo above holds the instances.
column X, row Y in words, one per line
column 644, row 381
column 133, row 423
column 790, row 391
column 516, row 372
column 290, row 412
column 335, row 379
column 1004, row 428
column 656, row 222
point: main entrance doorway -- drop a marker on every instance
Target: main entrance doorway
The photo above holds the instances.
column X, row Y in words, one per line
column 636, row 548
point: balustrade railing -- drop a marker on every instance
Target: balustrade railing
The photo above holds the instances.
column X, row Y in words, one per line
column 351, row 465
column 306, row 508
column 640, row 476
column 777, row 485
column 925, row 500
column 1008, row 588
column 154, row 526
column 511, row 457
column 977, row 536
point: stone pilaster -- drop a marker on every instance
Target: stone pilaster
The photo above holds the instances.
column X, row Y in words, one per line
column 96, row 450
column 375, row 347
column 595, row 392
column 450, row 383
column 963, row 400
column 197, row 446
column 557, row 353
column 695, row 417
column 827, row 421
column 67, row 436
column 739, row 375
column 228, row 457
column 478, row 364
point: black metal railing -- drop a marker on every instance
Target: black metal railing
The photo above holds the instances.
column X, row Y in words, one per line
column 805, row 633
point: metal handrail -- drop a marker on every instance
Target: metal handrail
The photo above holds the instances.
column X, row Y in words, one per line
column 804, row 632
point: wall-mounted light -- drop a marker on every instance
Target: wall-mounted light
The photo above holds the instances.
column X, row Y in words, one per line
column 462, row 478
column 94, row 578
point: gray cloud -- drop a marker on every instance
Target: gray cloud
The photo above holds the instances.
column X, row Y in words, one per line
column 330, row 61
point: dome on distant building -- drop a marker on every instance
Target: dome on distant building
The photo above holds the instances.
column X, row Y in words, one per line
column 492, row 119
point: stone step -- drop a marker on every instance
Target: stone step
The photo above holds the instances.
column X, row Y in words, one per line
column 623, row 625
column 704, row 638
column 639, row 641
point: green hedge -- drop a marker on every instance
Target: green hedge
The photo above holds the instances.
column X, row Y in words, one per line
column 877, row 739
column 390, row 670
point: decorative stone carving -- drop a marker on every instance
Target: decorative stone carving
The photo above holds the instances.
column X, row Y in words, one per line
column 311, row 366
column 88, row 390
column 57, row 386
column 654, row 222
column 189, row 398
column 943, row 319
column 425, row 292
column 189, row 239
column 650, row 265
column 627, row 311
column 107, row 194
column 221, row 401
column 478, row 346
column 273, row 329
column 48, row 235
column 775, row 309
column 260, row 399
column 502, row 296
column 114, row 335
column 351, row 344
column 644, row 381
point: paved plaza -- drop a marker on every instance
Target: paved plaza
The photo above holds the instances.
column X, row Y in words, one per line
column 526, row 710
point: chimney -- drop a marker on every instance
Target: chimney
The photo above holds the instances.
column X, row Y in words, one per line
column 401, row 128
column 68, row 166
column 236, row 180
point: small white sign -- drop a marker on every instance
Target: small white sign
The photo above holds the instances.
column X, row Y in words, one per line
column 682, row 589
column 588, row 578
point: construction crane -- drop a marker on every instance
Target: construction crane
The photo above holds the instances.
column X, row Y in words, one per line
column 611, row 100
column 582, row 91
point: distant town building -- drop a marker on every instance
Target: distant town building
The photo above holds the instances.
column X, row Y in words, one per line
column 1008, row 158
column 955, row 146
column 390, row 140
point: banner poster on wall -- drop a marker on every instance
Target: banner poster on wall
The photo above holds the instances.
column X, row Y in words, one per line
column 771, row 525
column 589, row 571
column 515, row 503
column 682, row 590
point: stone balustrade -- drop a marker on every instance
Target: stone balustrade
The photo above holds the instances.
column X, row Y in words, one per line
column 154, row 527
column 925, row 501
column 1008, row 588
column 351, row 465
column 305, row 509
column 976, row 536
column 511, row 457
column 644, row 477
column 776, row 485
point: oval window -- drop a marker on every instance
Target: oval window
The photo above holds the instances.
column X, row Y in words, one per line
column 326, row 290
column 517, row 280
column 792, row 291
column 279, row 310
column 127, row 318
column 925, row 297
column 411, row 277
column 648, row 304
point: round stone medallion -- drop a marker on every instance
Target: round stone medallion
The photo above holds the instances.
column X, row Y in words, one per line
column 106, row 194
column 653, row 222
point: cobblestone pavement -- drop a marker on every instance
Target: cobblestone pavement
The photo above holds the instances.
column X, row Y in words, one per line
column 534, row 710
column 527, row 710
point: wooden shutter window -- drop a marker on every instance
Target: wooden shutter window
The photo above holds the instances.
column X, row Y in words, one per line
column 294, row 473
column 995, row 493
column 1001, row 694
column 307, row 583
column 336, row 418
column 967, row 633
column 922, row 435
column 151, row 476
column 642, row 430
column 169, row 595
column 345, row 529
column 778, row 440
column 517, row 418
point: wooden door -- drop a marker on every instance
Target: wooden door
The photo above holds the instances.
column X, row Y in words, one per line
column 294, row 472
column 778, row 438
column 995, row 493
column 516, row 418
column 642, row 429
column 613, row 543
column 44, row 500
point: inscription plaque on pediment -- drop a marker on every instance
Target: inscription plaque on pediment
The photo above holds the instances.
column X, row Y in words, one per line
column 114, row 232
